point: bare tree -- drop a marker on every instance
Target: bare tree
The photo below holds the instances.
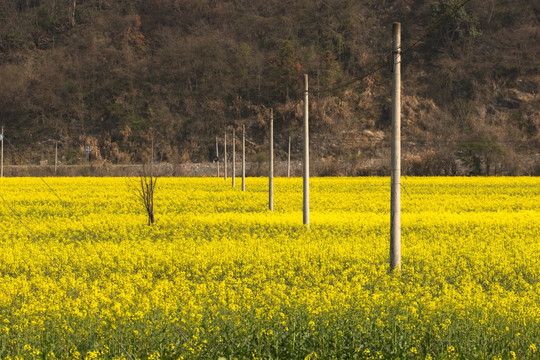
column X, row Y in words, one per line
column 145, row 193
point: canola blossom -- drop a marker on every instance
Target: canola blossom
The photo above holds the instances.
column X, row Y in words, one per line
column 218, row 276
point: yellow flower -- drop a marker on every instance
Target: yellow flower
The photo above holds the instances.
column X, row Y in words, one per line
column 218, row 268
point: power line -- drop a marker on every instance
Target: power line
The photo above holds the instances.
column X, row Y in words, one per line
column 387, row 60
column 70, row 211
column 63, row 203
column 18, row 218
column 436, row 24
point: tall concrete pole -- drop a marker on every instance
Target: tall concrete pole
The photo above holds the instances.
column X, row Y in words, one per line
column 271, row 163
column 217, row 156
column 233, row 159
column 152, row 157
column 289, row 160
column 225, row 151
column 55, row 157
column 306, row 151
column 395, row 208
column 243, row 158
column 2, row 156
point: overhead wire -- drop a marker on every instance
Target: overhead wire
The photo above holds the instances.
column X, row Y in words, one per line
column 70, row 211
column 388, row 59
column 436, row 24
column 19, row 218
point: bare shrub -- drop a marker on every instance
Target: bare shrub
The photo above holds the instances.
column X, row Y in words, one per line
column 328, row 167
column 430, row 163
column 144, row 190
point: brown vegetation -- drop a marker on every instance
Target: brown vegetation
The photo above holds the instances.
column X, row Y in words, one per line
column 112, row 75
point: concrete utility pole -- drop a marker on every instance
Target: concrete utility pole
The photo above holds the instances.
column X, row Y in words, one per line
column 395, row 206
column 289, row 160
column 72, row 15
column 225, row 161
column 217, row 156
column 306, row 151
column 55, row 157
column 2, row 152
column 152, row 157
column 233, row 159
column 271, row 163
column 243, row 158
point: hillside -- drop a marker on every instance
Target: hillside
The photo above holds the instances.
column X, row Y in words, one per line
column 114, row 74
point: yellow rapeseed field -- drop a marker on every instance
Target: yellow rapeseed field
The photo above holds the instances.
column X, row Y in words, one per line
column 218, row 276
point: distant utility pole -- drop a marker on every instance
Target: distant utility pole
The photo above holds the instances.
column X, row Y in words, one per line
column 225, row 161
column 217, row 156
column 306, row 151
column 233, row 158
column 243, row 158
column 152, row 158
column 395, row 206
column 271, row 163
column 55, row 157
column 289, row 160
column 2, row 152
